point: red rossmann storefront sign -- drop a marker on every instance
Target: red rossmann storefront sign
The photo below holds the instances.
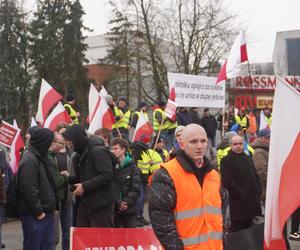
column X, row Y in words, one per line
column 263, row 87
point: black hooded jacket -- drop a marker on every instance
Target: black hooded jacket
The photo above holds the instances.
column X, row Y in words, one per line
column 35, row 183
column 93, row 168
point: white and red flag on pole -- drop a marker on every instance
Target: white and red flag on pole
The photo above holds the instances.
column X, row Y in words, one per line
column 103, row 117
column 94, row 101
column 283, row 192
column 58, row 115
column 143, row 130
column 33, row 122
column 262, row 121
column 47, row 99
column 237, row 55
column 15, row 150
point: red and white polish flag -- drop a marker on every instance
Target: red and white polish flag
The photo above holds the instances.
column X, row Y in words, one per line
column 103, row 117
column 283, row 192
column 47, row 99
column 58, row 115
column 15, row 150
column 237, row 55
column 94, row 101
column 143, row 130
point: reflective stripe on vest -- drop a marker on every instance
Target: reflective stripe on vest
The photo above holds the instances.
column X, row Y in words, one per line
column 242, row 122
column 156, row 124
column 202, row 238
column 171, row 125
column 197, row 213
column 73, row 113
column 155, row 159
column 144, row 163
column 124, row 121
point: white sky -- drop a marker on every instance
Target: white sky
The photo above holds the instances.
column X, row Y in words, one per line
column 260, row 18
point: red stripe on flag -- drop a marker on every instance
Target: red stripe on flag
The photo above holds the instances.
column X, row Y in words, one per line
column 276, row 245
column 51, row 98
column 143, row 133
column 59, row 118
column 289, row 191
column 108, row 120
column 244, row 55
column 222, row 74
column 172, row 94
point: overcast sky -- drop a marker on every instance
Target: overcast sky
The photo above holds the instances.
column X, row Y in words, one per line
column 261, row 19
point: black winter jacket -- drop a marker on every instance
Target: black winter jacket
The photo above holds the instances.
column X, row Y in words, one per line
column 35, row 185
column 163, row 201
column 210, row 124
column 239, row 177
column 93, row 168
column 129, row 184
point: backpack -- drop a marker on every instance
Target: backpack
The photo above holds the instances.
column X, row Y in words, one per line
column 12, row 206
column 12, row 201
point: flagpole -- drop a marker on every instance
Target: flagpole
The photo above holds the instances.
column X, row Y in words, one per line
column 158, row 133
column 251, row 86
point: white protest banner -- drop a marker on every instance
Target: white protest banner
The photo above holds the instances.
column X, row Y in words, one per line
column 170, row 109
column 197, row 91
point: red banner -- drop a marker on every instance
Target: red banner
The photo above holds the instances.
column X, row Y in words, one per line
column 8, row 133
column 114, row 239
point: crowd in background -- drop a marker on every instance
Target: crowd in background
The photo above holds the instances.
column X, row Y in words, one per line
column 69, row 178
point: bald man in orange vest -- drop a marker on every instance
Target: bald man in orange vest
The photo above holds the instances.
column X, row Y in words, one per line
column 185, row 202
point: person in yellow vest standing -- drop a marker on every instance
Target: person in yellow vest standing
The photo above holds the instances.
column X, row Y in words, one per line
column 268, row 116
column 185, row 202
column 160, row 121
column 242, row 120
column 70, row 107
column 122, row 116
column 142, row 107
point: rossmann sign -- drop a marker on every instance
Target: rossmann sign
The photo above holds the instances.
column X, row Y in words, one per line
column 263, row 82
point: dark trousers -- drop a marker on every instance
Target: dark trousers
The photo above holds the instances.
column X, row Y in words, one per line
column 295, row 221
column 237, row 225
column 103, row 217
column 38, row 234
column 65, row 223
column 125, row 220
column 141, row 200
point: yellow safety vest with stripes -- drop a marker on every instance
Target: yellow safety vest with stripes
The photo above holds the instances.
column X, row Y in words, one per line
column 171, row 124
column 156, row 124
column 156, row 160
column 124, row 121
column 144, row 163
column 269, row 120
column 73, row 113
column 242, row 122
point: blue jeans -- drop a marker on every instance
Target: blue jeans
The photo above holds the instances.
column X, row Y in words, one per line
column 38, row 234
column 2, row 212
column 170, row 141
column 65, row 223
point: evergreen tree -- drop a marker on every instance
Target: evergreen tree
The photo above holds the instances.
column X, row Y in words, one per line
column 14, row 72
column 57, row 50
column 121, row 55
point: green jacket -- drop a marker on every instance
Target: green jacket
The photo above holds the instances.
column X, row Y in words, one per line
column 61, row 182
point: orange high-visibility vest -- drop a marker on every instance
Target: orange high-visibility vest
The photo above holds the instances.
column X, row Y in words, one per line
column 197, row 213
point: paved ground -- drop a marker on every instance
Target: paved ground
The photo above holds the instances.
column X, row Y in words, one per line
column 12, row 237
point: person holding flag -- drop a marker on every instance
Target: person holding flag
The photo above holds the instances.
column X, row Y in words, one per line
column 71, row 109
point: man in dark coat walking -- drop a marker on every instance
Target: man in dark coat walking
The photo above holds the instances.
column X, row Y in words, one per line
column 239, row 177
column 93, row 181
column 210, row 124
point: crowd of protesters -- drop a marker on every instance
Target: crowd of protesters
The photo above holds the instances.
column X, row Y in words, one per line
column 70, row 178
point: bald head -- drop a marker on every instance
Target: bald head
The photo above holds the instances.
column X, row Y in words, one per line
column 194, row 142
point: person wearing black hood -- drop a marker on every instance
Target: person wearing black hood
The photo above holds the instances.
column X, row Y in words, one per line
column 93, row 180
column 37, row 193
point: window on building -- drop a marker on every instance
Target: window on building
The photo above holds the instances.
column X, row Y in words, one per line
column 293, row 56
